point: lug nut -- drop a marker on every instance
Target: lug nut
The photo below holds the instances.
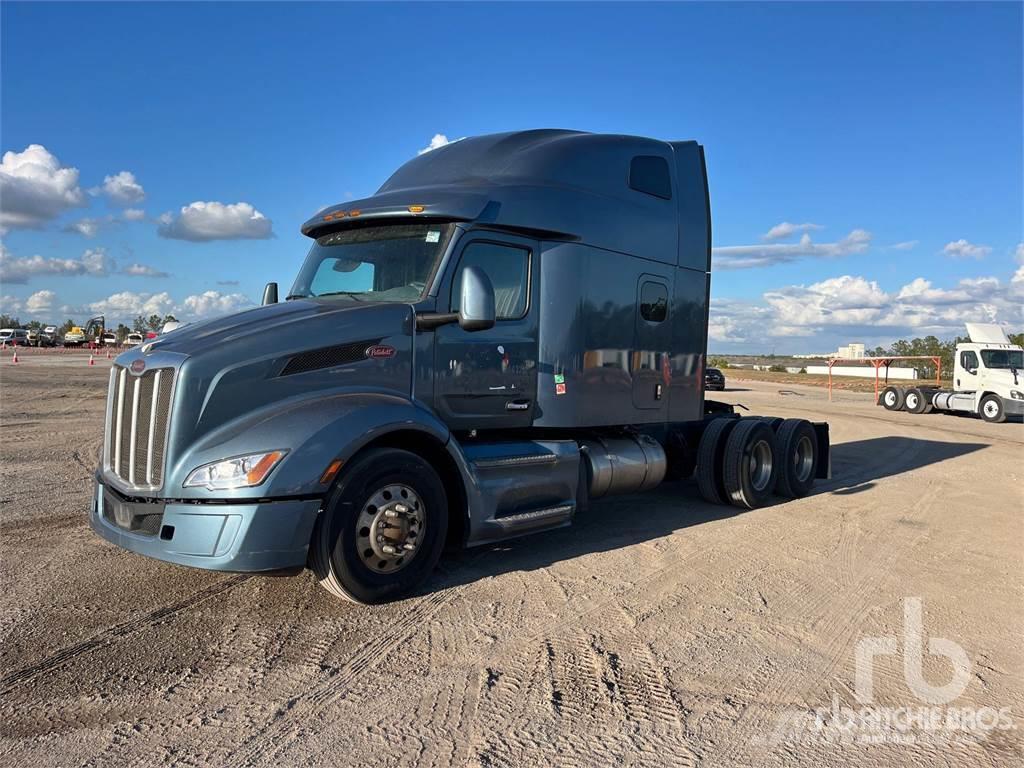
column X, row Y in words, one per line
column 391, row 513
column 401, row 509
column 389, row 550
column 408, row 547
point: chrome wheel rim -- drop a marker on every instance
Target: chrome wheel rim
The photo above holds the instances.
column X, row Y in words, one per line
column 760, row 465
column 803, row 459
column 389, row 528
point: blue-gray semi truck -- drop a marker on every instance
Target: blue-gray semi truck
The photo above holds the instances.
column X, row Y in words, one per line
column 513, row 326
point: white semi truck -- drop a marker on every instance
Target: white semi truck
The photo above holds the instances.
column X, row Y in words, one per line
column 988, row 380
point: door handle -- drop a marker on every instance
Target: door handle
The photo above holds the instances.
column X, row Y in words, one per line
column 517, row 405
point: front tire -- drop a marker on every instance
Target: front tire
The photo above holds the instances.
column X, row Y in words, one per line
column 382, row 529
column 992, row 410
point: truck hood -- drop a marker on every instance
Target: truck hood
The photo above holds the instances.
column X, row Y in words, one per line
column 236, row 369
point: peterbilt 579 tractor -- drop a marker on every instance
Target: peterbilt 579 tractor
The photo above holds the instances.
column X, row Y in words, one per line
column 512, row 327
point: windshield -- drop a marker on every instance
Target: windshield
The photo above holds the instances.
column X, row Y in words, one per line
column 382, row 263
column 1003, row 358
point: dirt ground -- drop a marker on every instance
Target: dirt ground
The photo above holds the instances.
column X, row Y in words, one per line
column 658, row 630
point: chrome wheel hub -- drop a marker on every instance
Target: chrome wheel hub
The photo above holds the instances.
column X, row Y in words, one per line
column 991, row 409
column 803, row 459
column 760, row 465
column 389, row 528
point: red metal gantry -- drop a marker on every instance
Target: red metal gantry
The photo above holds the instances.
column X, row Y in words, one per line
column 878, row 362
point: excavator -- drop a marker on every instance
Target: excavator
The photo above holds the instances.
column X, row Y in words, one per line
column 90, row 336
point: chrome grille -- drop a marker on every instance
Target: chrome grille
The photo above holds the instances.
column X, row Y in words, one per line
column 138, row 415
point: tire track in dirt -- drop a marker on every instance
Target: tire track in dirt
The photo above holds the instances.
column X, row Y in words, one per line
column 837, row 622
column 306, row 711
column 110, row 635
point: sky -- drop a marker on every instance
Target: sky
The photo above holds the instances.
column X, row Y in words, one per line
column 865, row 160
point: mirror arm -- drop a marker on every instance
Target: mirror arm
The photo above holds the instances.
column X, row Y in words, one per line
column 428, row 321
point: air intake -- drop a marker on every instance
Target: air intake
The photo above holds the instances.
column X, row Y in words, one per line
column 328, row 357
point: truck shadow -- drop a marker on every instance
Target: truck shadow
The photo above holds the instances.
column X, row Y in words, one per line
column 622, row 521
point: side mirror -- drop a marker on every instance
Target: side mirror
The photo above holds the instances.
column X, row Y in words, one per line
column 270, row 294
column 476, row 300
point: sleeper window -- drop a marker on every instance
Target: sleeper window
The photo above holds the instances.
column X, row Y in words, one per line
column 653, row 302
column 508, row 269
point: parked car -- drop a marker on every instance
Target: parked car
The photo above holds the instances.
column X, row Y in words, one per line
column 32, row 337
column 714, row 379
column 109, row 339
column 74, row 337
column 14, row 337
column 48, row 337
column 133, row 339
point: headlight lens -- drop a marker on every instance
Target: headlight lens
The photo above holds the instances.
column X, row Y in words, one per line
column 1016, row 395
column 239, row 472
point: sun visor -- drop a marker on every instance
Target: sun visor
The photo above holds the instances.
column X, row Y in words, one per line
column 420, row 203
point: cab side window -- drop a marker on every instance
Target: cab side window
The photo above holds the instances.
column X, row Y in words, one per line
column 508, row 268
column 969, row 361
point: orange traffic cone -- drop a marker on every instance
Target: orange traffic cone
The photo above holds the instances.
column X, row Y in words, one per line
column 91, row 361
column 15, row 358
column 108, row 354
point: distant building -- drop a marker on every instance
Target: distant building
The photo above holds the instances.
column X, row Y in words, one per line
column 854, row 351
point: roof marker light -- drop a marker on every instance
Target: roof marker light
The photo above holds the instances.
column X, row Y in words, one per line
column 416, row 208
column 353, row 214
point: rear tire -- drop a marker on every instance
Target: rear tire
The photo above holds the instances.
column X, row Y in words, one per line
column 343, row 549
column 750, row 469
column 773, row 421
column 915, row 401
column 891, row 399
column 992, row 410
column 797, row 455
column 710, row 455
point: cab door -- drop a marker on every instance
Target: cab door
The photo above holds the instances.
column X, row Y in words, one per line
column 488, row 379
column 649, row 362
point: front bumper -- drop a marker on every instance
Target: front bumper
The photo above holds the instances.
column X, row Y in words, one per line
column 1013, row 407
column 260, row 536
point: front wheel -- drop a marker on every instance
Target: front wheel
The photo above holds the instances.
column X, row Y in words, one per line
column 992, row 409
column 382, row 529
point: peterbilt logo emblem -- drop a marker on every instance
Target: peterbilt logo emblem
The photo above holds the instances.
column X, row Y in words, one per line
column 138, row 366
column 380, row 350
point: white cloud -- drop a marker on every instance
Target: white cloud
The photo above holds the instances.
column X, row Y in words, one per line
column 40, row 301
column 121, row 188
column 11, row 305
column 205, row 221
column 85, row 227
column 35, row 188
column 127, row 304
column 851, row 307
column 93, row 262
column 439, row 140
column 1018, row 254
column 786, row 229
column 133, row 214
column 212, row 303
column 907, row 245
column 961, row 249
column 143, row 270
column 769, row 254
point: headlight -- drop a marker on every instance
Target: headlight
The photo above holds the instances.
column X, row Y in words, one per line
column 1016, row 394
column 239, row 472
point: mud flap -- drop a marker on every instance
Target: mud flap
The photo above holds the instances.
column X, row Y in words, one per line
column 824, row 471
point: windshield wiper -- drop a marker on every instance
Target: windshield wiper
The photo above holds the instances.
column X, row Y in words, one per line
column 351, row 294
